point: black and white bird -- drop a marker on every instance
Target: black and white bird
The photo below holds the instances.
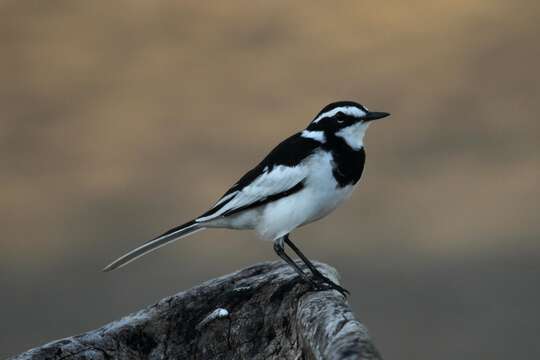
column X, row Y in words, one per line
column 302, row 180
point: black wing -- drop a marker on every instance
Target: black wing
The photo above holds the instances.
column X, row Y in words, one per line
column 279, row 174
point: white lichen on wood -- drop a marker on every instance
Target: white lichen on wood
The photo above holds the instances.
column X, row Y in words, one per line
column 219, row 313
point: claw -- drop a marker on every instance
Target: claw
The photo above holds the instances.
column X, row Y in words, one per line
column 321, row 283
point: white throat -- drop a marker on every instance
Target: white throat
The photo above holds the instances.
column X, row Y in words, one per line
column 354, row 135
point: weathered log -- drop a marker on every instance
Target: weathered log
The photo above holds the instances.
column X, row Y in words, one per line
column 261, row 312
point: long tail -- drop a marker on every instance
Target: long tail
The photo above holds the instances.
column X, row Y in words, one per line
column 162, row 240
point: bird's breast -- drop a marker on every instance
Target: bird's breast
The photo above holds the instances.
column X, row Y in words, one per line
column 320, row 195
column 347, row 165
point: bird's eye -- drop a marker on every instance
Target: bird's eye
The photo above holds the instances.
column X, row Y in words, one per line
column 340, row 117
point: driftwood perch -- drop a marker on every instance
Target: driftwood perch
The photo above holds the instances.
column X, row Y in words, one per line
column 261, row 312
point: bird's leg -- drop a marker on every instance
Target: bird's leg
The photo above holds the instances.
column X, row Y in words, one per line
column 316, row 273
column 280, row 250
column 304, row 258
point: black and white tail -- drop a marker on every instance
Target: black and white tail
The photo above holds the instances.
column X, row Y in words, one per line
column 162, row 240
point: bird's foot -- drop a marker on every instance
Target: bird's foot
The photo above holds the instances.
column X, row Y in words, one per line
column 321, row 283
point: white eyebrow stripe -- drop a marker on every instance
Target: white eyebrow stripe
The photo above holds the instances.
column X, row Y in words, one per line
column 347, row 110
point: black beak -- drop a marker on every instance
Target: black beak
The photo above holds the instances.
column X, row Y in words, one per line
column 374, row 115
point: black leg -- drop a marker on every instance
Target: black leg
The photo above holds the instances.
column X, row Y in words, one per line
column 278, row 248
column 316, row 273
column 316, row 284
column 304, row 258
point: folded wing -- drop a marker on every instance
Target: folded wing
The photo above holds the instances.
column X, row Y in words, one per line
column 268, row 186
column 280, row 174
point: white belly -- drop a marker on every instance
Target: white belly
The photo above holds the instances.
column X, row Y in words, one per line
column 318, row 198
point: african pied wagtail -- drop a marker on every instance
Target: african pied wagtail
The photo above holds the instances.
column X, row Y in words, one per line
column 302, row 180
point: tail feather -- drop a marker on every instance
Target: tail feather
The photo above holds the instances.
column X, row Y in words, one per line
column 151, row 245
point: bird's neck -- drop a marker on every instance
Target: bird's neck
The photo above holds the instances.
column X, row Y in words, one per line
column 353, row 135
column 348, row 161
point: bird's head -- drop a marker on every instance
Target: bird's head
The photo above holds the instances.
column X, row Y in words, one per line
column 346, row 119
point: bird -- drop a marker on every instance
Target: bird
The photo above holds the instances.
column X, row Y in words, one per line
column 303, row 179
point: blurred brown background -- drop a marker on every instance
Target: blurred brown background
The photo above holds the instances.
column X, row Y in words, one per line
column 121, row 119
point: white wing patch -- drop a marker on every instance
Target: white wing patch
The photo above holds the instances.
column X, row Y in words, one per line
column 225, row 198
column 315, row 135
column 281, row 178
